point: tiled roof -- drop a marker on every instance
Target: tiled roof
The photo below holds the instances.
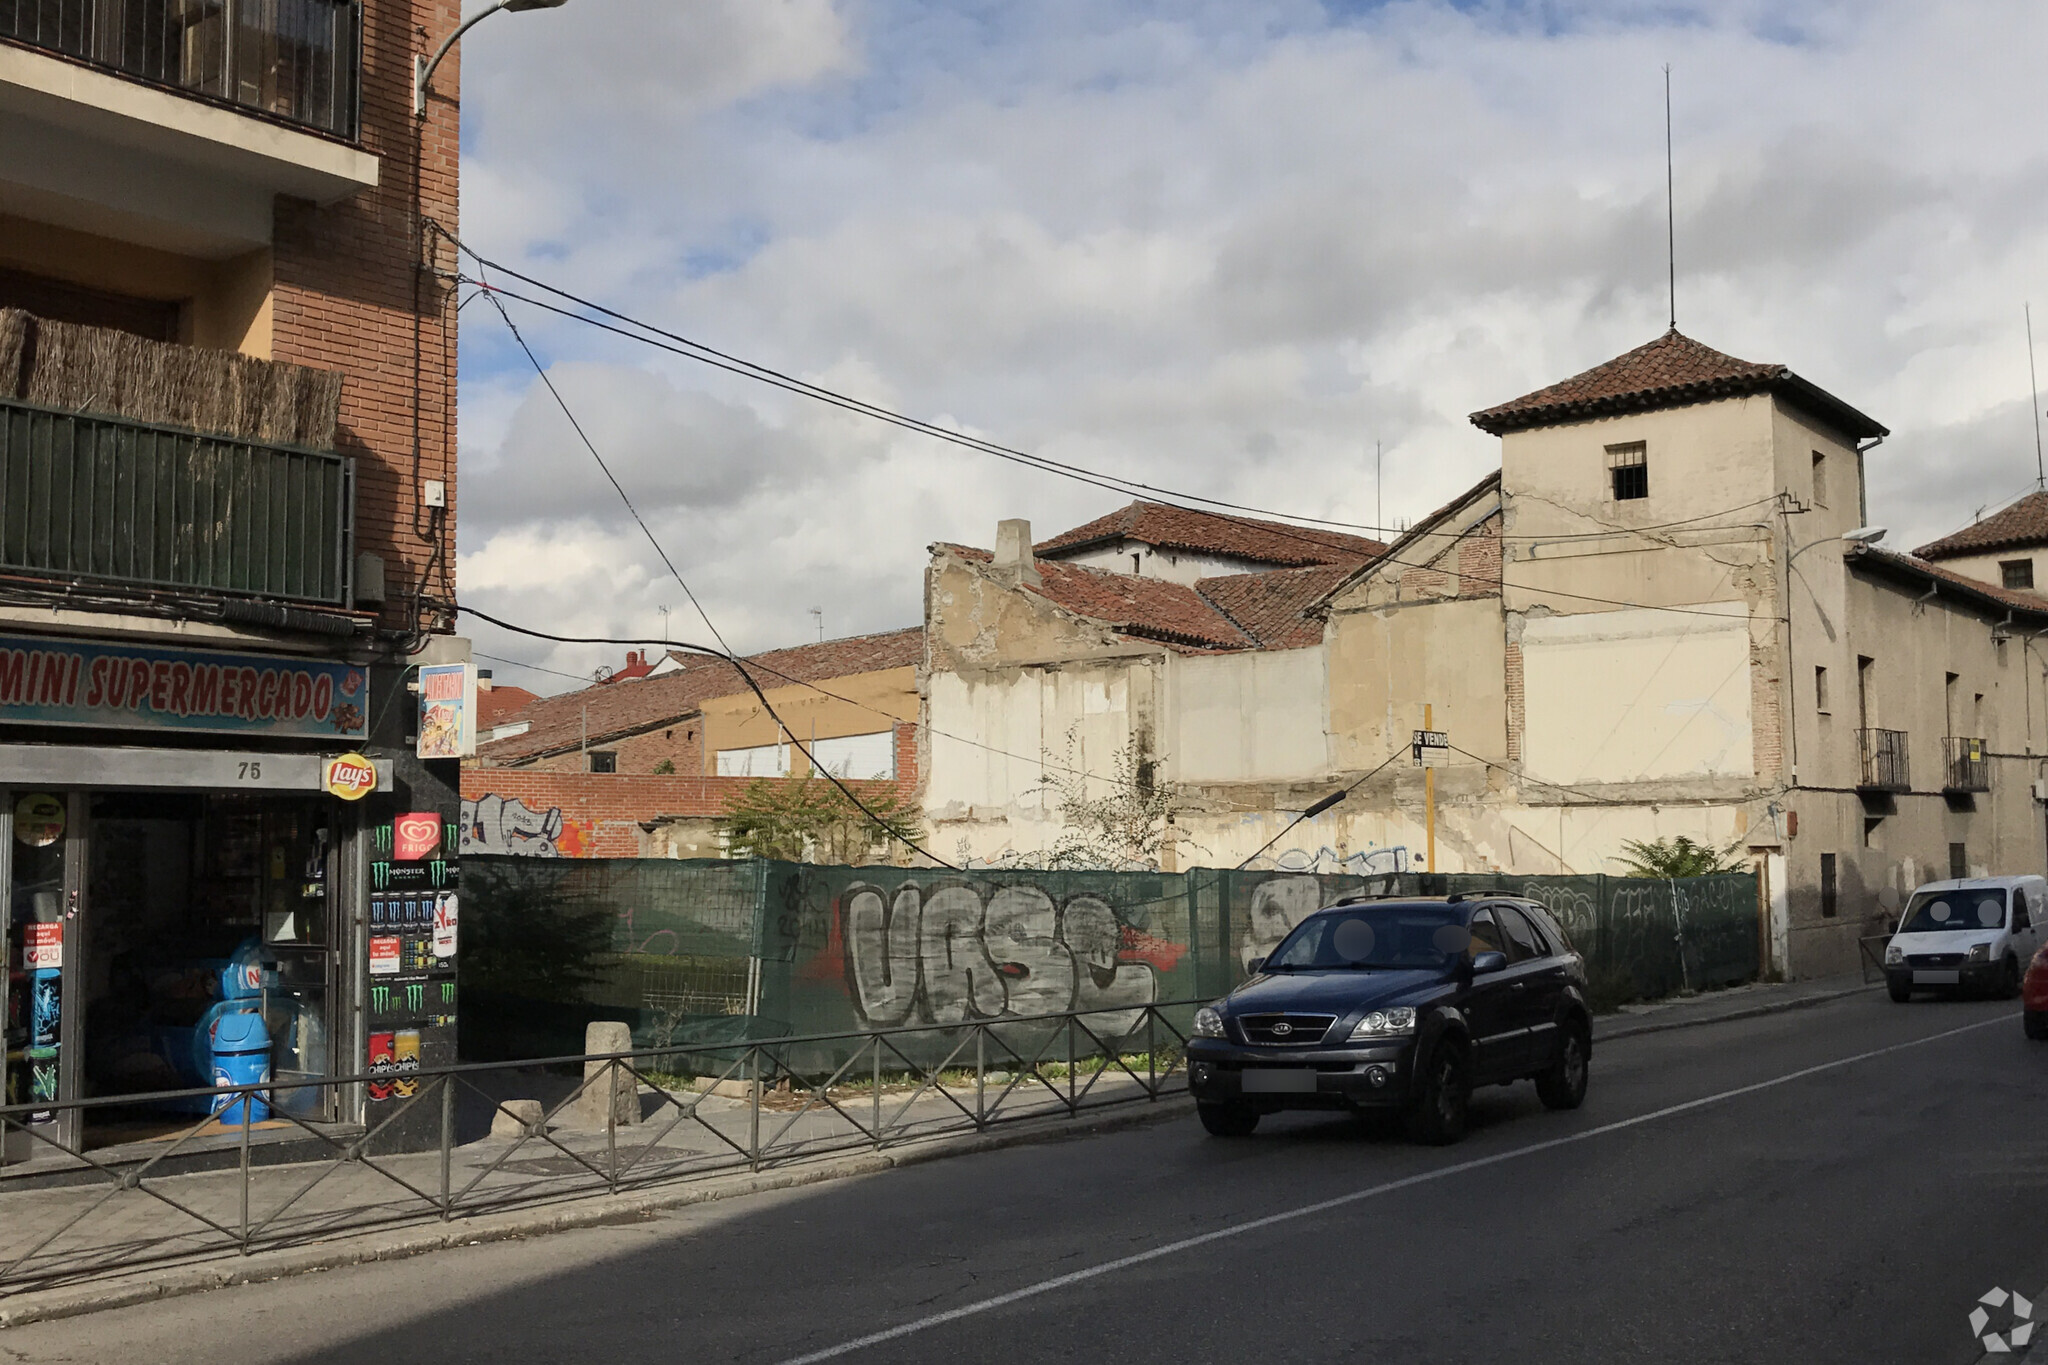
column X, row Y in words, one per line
column 1669, row 372
column 1272, row 607
column 1226, row 612
column 495, row 706
column 1182, row 528
column 2023, row 523
column 1990, row 594
column 625, row 708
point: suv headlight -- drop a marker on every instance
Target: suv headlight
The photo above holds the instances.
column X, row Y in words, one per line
column 1208, row 1022
column 1894, row 955
column 1980, row 952
column 1393, row 1023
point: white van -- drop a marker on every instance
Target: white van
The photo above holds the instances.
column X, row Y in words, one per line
column 1974, row 934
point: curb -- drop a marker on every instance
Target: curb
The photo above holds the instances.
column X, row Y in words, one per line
column 585, row 1212
column 1752, row 1012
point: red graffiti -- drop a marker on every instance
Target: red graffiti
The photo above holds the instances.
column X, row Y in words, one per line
column 1139, row 946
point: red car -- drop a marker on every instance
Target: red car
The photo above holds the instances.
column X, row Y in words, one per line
column 2034, row 996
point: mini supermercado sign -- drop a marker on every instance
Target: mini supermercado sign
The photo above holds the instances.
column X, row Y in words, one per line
column 143, row 687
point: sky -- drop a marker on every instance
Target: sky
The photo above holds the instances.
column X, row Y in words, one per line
column 1220, row 247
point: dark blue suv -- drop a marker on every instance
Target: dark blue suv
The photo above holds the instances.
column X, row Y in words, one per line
column 1398, row 1004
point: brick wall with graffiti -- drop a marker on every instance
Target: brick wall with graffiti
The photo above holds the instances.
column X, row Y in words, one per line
column 711, row 949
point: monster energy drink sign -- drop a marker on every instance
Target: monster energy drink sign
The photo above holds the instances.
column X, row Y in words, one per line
column 409, row 997
column 388, row 876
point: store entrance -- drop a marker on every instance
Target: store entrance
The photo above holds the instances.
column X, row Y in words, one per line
column 204, row 954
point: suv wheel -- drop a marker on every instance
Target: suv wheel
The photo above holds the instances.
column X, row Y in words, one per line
column 1563, row 1086
column 2036, row 1023
column 1228, row 1120
column 1437, row 1114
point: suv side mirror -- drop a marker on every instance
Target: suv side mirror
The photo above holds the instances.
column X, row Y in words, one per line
column 1489, row 962
column 1255, row 966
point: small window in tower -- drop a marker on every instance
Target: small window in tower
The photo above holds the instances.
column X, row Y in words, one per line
column 604, row 761
column 1820, row 479
column 2016, row 573
column 1629, row 470
column 1820, row 690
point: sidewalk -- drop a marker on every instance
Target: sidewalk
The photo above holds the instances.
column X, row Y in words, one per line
column 107, row 1239
column 1737, row 1002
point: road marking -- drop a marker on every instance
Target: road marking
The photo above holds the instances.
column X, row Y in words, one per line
column 1371, row 1192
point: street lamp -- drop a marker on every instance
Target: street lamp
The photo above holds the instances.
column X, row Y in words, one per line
column 423, row 66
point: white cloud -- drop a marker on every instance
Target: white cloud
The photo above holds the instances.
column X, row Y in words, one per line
column 1215, row 247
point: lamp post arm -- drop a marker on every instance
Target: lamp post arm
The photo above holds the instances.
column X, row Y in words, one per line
column 423, row 67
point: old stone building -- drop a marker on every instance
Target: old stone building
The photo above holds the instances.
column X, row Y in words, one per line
column 1665, row 614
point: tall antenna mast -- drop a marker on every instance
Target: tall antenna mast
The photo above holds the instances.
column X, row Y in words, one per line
column 2033, row 384
column 1379, row 487
column 1670, row 204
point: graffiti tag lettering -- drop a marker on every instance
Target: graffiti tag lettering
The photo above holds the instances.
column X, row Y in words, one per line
column 496, row 824
column 943, row 956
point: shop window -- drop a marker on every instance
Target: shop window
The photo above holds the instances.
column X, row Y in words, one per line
column 2016, row 573
column 1827, row 885
column 604, row 761
column 1628, row 470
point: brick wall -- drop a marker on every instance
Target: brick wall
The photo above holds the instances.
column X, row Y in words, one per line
column 681, row 744
column 601, row 813
column 347, row 298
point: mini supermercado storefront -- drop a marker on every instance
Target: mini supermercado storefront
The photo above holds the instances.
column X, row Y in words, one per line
column 186, row 833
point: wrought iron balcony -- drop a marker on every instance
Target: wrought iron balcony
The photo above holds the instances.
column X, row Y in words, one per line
column 1884, row 761
column 1968, row 767
column 298, row 61
column 107, row 500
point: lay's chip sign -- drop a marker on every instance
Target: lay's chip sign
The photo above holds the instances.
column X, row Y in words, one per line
column 350, row 777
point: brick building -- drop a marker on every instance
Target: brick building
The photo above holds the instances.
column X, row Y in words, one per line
column 643, row 763
column 227, row 519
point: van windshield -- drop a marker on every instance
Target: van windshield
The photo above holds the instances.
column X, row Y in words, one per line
column 1934, row 912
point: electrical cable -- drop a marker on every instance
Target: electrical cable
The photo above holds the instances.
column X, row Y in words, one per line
column 881, row 822
column 1320, row 807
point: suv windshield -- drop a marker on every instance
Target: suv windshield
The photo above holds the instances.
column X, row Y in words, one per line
column 1374, row 936
column 1935, row 911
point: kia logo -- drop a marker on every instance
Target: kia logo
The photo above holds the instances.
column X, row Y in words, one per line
column 1282, row 1029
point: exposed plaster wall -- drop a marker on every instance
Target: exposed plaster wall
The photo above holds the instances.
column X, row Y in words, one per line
column 1175, row 566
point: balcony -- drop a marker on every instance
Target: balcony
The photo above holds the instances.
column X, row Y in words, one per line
column 296, row 61
column 107, row 500
column 1966, row 766
column 1884, row 761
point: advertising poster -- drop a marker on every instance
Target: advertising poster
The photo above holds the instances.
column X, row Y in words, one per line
column 444, row 925
column 447, row 711
column 384, row 956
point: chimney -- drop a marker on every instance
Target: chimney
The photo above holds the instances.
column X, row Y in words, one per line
column 1014, row 562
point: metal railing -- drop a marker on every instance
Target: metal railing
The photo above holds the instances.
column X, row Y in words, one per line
column 798, row 1099
column 106, row 499
column 1884, row 761
column 298, row 61
column 1966, row 765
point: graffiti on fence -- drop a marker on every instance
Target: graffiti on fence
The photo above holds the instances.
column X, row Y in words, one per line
column 497, row 824
column 950, row 952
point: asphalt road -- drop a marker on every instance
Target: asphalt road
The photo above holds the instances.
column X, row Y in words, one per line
column 1833, row 1184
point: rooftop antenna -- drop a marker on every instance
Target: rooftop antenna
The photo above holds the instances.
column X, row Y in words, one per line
column 1379, row 497
column 2040, row 471
column 664, row 623
column 818, row 614
column 1670, row 205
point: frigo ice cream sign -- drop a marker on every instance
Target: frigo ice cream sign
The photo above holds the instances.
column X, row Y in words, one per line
column 137, row 687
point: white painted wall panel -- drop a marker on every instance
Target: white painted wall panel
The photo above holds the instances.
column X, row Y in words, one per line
column 1631, row 696
column 1252, row 717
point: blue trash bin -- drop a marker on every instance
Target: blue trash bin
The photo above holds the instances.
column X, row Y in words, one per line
column 241, row 1056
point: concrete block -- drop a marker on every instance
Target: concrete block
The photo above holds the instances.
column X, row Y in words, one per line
column 516, row 1118
column 610, row 1092
column 732, row 1090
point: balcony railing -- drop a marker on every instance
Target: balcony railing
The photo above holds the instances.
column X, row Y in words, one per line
column 1884, row 761
column 294, row 60
column 106, row 500
column 1967, row 768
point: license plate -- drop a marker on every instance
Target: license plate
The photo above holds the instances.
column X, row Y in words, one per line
column 1268, row 1081
column 1941, row 978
